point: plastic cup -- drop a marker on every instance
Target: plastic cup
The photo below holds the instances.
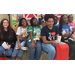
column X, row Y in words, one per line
column 59, row 39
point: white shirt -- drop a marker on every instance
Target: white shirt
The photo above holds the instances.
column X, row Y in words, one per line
column 21, row 31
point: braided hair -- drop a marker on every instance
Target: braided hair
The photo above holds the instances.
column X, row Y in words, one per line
column 61, row 24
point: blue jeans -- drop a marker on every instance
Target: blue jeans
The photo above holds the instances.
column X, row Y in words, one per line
column 38, row 50
column 50, row 49
column 19, row 51
column 7, row 52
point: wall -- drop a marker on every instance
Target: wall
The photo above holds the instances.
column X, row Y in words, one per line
column 2, row 16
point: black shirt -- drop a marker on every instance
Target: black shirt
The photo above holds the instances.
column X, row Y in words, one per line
column 50, row 33
column 6, row 38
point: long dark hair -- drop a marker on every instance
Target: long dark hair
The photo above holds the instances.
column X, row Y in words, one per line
column 61, row 23
column 2, row 30
column 20, row 22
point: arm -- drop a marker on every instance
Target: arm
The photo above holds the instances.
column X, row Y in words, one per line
column 33, row 45
column 18, row 41
column 30, row 29
column 31, row 37
column 45, row 41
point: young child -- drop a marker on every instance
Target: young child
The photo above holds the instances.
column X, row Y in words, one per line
column 21, row 38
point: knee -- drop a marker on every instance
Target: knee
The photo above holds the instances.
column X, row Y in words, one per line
column 9, row 53
column 1, row 49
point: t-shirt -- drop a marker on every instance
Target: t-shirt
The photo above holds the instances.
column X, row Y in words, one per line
column 21, row 31
column 65, row 28
column 50, row 33
column 72, row 25
column 36, row 30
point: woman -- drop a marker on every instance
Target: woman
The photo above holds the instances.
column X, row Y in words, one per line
column 33, row 41
column 7, row 35
column 70, row 22
column 21, row 38
column 66, row 33
column 49, row 34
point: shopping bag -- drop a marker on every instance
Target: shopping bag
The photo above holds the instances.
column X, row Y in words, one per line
column 2, row 58
column 62, row 52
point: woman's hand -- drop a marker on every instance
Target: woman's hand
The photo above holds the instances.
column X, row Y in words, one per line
column 53, row 42
column 9, row 46
column 66, row 35
column 19, row 46
column 33, row 45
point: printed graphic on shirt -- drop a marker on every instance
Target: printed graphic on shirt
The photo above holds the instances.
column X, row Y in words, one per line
column 51, row 36
column 37, row 32
column 66, row 30
column 23, row 33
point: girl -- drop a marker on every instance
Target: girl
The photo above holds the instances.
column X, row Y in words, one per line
column 49, row 34
column 70, row 22
column 33, row 41
column 66, row 33
column 21, row 38
column 7, row 35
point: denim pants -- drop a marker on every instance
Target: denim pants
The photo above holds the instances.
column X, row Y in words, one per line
column 7, row 52
column 38, row 50
column 19, row 51
column 50, row 49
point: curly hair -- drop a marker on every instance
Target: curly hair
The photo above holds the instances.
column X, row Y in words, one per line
column 47, row 16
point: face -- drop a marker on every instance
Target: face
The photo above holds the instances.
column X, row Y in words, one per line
column 24, row 22
column 56, row 20
column 50, row 22
column 35, row 22
column 5, row 23
column 70, row 18
column 65, row 19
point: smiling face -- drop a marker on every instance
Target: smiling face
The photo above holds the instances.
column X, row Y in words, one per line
column 5, row 24
column 50, row 22
column 65, row 19
column 70, row 19
column 24, row 23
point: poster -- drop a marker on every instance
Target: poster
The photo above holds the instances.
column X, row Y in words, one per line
column 15, row 20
